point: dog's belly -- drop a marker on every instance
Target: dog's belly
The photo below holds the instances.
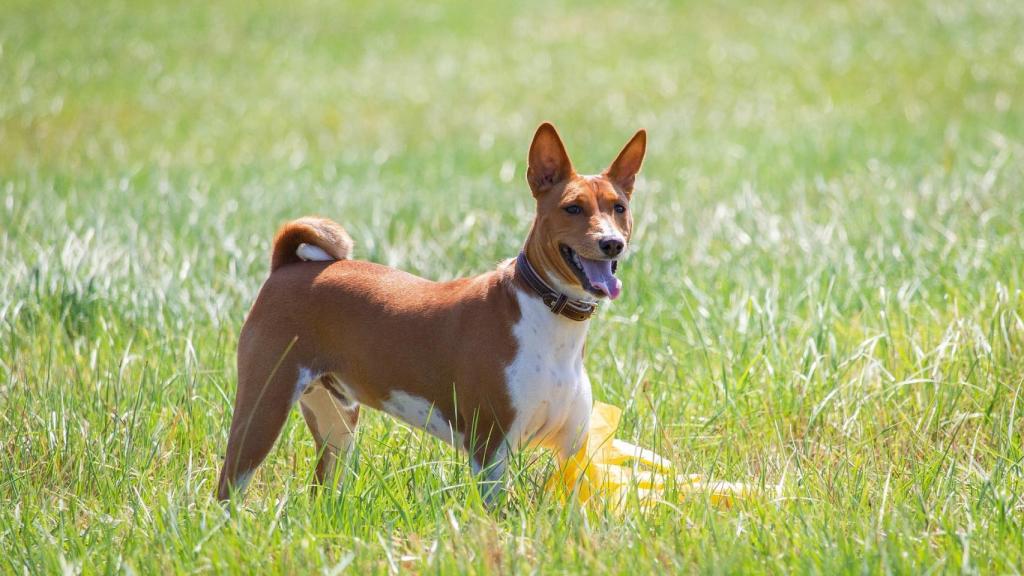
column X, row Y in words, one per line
column 423, row 414
column 547, row 384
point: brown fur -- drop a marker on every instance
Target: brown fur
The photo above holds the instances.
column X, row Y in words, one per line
column 376, row 330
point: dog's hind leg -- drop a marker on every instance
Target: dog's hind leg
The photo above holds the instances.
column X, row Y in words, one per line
column 332, row 416
column 266, row 393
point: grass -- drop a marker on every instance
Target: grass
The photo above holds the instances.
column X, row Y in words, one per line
column 825, row 290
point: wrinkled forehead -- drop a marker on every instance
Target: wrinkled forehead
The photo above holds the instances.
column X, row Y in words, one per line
column 593, row 188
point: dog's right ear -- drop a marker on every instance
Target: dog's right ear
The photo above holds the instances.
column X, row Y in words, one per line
column 549, row 164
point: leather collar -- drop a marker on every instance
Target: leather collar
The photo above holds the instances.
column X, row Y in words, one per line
column 558, row 303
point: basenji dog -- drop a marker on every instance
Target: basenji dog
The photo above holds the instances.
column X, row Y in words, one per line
column 490, row 364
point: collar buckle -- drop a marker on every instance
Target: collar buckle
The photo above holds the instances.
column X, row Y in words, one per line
column 559, row 304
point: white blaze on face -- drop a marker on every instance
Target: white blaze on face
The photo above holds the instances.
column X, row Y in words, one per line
column 606, row 229
column 420, row 413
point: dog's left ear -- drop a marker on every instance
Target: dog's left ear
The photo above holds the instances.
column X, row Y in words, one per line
column 623, row 170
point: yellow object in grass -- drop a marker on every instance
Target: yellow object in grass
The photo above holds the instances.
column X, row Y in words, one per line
column 607, row 470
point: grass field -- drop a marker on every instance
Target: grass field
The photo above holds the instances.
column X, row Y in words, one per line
column 825, row 291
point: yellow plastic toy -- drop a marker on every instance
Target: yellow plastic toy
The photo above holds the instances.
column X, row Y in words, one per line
column 598, row 473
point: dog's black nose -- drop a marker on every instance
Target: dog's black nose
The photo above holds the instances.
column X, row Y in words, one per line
column 611, row 246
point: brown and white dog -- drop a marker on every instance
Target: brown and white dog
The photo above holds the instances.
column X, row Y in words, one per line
column 490, row 364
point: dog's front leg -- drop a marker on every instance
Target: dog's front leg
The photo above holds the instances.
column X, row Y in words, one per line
column 489, row 469
column 577, row 423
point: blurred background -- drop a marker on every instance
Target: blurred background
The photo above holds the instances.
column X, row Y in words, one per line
column 235, row 116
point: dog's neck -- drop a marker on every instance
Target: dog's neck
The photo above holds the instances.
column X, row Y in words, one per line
column 558, row 302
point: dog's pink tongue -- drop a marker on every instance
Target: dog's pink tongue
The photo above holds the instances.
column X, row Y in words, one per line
column 599, row 272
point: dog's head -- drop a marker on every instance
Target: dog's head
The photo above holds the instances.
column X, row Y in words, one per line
column 583, row 223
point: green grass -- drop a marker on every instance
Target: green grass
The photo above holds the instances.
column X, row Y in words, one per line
column 825, row 292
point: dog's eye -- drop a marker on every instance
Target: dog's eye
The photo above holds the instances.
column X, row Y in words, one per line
column 574, row 209
column 620, row 209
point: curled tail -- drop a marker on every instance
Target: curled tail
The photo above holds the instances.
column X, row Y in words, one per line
column 310, row 238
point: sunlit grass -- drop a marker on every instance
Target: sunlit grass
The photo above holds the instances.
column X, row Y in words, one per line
column 824, row 290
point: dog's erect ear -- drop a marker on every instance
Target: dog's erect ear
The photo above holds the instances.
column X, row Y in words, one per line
column 623, row 170
column 549, row 164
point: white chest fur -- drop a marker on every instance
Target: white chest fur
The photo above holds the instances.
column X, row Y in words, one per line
column 546, row 380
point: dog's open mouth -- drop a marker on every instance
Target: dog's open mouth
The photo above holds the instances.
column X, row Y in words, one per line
column 596, row 276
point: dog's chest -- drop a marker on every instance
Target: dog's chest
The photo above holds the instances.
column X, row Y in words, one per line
column 545, row 378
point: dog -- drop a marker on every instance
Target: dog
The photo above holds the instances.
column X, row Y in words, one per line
column 490, row 364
